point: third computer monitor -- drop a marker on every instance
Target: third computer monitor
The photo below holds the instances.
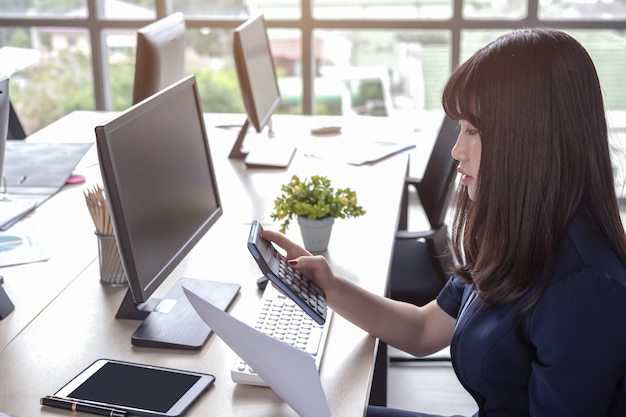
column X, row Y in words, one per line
column 160, row 56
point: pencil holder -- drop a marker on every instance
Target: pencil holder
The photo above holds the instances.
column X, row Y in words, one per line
column 111, row 271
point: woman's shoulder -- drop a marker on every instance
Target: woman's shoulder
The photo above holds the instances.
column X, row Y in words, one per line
column 585, row 253
column 452, row 295
column 587, row 275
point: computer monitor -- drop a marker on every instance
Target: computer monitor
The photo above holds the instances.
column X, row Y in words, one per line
column 163, row 196
column 160, row 56
column 257, row 79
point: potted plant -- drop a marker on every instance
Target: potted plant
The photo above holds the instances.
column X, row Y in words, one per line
column 316, row 204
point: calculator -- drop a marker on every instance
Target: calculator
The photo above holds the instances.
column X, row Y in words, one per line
column 301, row 290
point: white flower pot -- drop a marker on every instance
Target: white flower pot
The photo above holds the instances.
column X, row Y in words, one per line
column 316, row 233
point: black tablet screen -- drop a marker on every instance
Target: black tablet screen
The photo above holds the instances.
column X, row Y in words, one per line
column 137, row 387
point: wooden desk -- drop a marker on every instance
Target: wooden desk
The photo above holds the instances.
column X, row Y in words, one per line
column 50, row 343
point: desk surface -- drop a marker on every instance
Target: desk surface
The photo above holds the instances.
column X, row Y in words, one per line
column 64, row 318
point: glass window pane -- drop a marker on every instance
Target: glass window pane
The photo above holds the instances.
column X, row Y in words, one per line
column 495, row 9
column 581, row 10
column 51, row 64
column 286, row 46
column 275, row 9
column 473, row 40
column 213, row 8
column 382, row 9
column 129, row 9
column 30, row 8
column 272, row 9
column 121, row 46
column 607, row 48
column 350, row 70
column 209, row 56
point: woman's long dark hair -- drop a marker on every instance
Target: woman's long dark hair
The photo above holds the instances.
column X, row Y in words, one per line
column 535, row 97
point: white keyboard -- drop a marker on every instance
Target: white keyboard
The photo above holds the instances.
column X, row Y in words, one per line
column 280, row 318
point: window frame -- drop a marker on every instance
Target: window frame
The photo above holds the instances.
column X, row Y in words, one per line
column 96, row 24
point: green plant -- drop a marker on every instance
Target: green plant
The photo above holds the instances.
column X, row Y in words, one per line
column 314, row 198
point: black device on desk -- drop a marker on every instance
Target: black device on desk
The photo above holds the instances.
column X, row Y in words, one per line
column 274, row 266
column 116, row 388
column 261, row 96
column 163, row 197
column 6, row 305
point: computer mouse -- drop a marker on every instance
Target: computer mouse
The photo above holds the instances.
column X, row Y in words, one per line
column 261, row 283
column 326, row 130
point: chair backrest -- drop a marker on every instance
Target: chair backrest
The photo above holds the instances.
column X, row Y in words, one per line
column 435, row 188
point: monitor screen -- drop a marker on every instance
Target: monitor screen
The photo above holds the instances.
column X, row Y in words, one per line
column 4, row 120
column 256, row 75
column 160, row 56
column 160, row 186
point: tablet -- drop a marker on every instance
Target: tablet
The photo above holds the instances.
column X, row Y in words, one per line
column 136, row 389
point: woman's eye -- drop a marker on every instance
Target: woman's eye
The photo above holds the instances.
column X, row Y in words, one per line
column 471, row 132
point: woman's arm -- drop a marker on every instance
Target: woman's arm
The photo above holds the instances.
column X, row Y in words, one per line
column 416, row 330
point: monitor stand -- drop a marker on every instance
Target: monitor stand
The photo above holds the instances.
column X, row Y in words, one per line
column 172, row 322
column 269, row 152
column 6, row 306
column 237, row 151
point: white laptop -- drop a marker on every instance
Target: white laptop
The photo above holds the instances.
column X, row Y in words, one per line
column 289, row 371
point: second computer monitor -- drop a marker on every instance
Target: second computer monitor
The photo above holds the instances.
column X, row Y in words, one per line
column 256, row 75
column 160, row 56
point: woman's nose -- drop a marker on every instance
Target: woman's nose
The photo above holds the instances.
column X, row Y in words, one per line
column 458, row 151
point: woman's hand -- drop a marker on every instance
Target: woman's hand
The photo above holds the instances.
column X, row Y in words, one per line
column 315, row 268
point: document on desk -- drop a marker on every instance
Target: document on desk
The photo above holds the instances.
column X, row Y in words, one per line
column 354, row 151
column 18, row 246
column 34, row 172
column 290, row 372
column 13, row 210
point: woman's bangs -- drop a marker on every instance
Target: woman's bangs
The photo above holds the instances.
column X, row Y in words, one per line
column 460, row 97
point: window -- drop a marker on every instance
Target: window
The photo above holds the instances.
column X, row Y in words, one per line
column 378, row 57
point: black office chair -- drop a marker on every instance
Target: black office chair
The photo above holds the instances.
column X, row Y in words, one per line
column 421, row 259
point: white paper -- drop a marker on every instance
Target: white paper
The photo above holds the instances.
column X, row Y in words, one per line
column 290, row 372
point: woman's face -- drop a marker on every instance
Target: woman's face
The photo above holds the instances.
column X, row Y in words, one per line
column 467, row 151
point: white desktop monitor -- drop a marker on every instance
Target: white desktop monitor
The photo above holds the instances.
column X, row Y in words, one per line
column 257, row 77
column 4, row 118
column 160, row 56
column 163, row 197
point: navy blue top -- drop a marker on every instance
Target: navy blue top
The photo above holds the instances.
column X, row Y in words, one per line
column 565, row 356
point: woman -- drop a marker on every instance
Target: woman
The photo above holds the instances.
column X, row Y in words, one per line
column 535, row 313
